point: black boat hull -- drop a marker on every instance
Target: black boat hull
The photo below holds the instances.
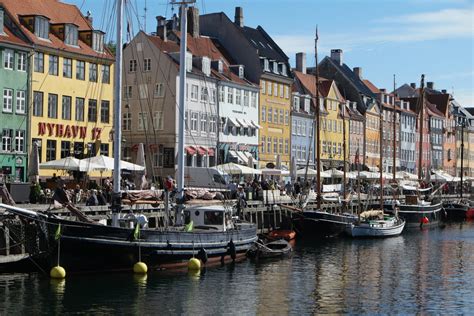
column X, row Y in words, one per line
column 456, row 211
column 317, row 224
column 417, row 216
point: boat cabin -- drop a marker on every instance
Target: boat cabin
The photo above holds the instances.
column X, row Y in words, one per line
column 209, row 217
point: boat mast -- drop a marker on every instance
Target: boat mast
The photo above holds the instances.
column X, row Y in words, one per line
column 462, row 154
column 381, row 156
column 344, row 179
column 394, row 173
column 182, row 94
column 116, row 200
column 420, row 143
column 317, row 124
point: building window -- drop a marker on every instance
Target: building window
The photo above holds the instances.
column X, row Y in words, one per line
column 275, row 145
column 213, row 124
column 287, row 146
column 80, row 70
column 105, row 74
column 147, row 64
column 143, row 91
column 50, row 150
column 37, row 103
column 203, row 122
column 262, row 142
column 66, row 109
column 67, row 68
column 194, row 119
column 230, row 95
column 7, row 135
column 264, row 113
column 281, row 91
column 238, row 97
column 39, row 62
column 213, row 96
column 280, row 148
column 142, row 121
column 70, row 36
column 275, row 116
column 221, row 94
column 128, row 92
column 105, row 111
column 127, row 121
column 104, row 149
column 132, row 65
column 92, row 111
column 53, row 65
column 275, row 89
column 263, row 85
column 93, row 72
column 7, row 100
column 270, row 115
column 269, row 145
column 287, row 117
column 253, row 101
column 98, row 42
column 159, row 90
column 287, row 94
column 269, row 90
column 158, row 120
column 8, row 58
column 194, row 92
column 281, row 117
column 21, row 65
column 65, row 149
column 204, row 94
column 52, row 105
column 41, row 27
column 80, row 109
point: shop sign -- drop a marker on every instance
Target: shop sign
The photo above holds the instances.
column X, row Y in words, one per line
column 67, row 131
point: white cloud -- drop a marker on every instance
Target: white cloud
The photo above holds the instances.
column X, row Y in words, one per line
column 465, row 97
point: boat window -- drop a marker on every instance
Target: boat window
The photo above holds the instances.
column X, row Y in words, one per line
column 213, row 218
column 219, row 179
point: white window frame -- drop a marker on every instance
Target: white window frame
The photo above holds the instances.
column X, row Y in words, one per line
column 147, row 64
column 142, row 121
column 194, row 92
column 8, row 100
column 158, row 120
column 8, row 59
column 21, row 63
column 20, row 141
column 20, row 102
column 159, row 90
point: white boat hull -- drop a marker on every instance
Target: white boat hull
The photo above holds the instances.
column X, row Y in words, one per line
column 376, row 229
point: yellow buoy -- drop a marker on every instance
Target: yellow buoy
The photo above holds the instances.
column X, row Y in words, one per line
column 57, row 272
column 140, row 267
column 194, row 264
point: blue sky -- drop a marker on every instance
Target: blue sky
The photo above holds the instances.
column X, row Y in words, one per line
column 402, row 37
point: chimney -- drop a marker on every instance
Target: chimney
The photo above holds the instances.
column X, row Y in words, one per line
column 175, row 22
column 193, row 22
column 301, row 62
column 444, row 91
column 239, row 16
column 358, row 72
column 430, row 85
column 161, row 28
column 413, row 85
column 336, row 55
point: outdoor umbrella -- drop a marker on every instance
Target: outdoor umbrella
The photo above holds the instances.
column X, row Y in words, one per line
column 68, row 163
column 233, row 168
column 33, row 165
column 104, row 163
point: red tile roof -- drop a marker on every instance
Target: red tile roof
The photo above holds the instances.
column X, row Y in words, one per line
column 57, row 12
column 11, row 38
column 371, row 86
column 440, row 100
column 309, row 83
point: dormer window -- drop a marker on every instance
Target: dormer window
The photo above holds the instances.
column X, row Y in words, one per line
column 42, row 27
column 206, row 66
column 70, row 34
column 1, row 21
column 98, row 41
column 275, row 67
column 296, row 103
column 266, row 64
column 283, row 70
column 189, row 62
column 306, row 105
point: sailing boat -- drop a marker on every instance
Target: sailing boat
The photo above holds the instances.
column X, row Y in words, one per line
column 375, row 223
column 207, row 232
column 416, row 211
column 318, row 223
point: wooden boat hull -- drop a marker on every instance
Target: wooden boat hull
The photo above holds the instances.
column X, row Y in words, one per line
column 417, row 216
column 280, row 233
column 379, row 231
column 458, row 211
column 318, row 224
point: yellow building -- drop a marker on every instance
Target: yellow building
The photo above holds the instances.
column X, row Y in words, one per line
column 71, row 92
column 275, row 130
column 372, row 136
column 332, row 137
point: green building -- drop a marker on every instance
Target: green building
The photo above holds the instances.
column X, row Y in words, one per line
column 14, row 83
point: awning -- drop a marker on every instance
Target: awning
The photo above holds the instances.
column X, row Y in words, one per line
column 210, row 152
column 239, row 155
column 201, row 150
column 255, row 125
column 232, row 121
column 190, row 150
column 243, row 123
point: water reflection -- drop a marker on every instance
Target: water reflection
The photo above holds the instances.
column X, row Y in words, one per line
column 427, row 271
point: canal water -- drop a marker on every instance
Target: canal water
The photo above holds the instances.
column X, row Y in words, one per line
column 428, row 272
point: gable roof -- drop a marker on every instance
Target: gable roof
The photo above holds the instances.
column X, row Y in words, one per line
column 440, row 100
column 309, row 84
column 57, row 12
column 352, row 77
column 371, row 86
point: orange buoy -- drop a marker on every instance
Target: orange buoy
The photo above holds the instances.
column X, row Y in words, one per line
column 425, row 220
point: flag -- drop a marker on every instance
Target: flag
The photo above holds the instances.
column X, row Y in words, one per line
column 136, row 232
column 57, row 235
column 189, row 227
